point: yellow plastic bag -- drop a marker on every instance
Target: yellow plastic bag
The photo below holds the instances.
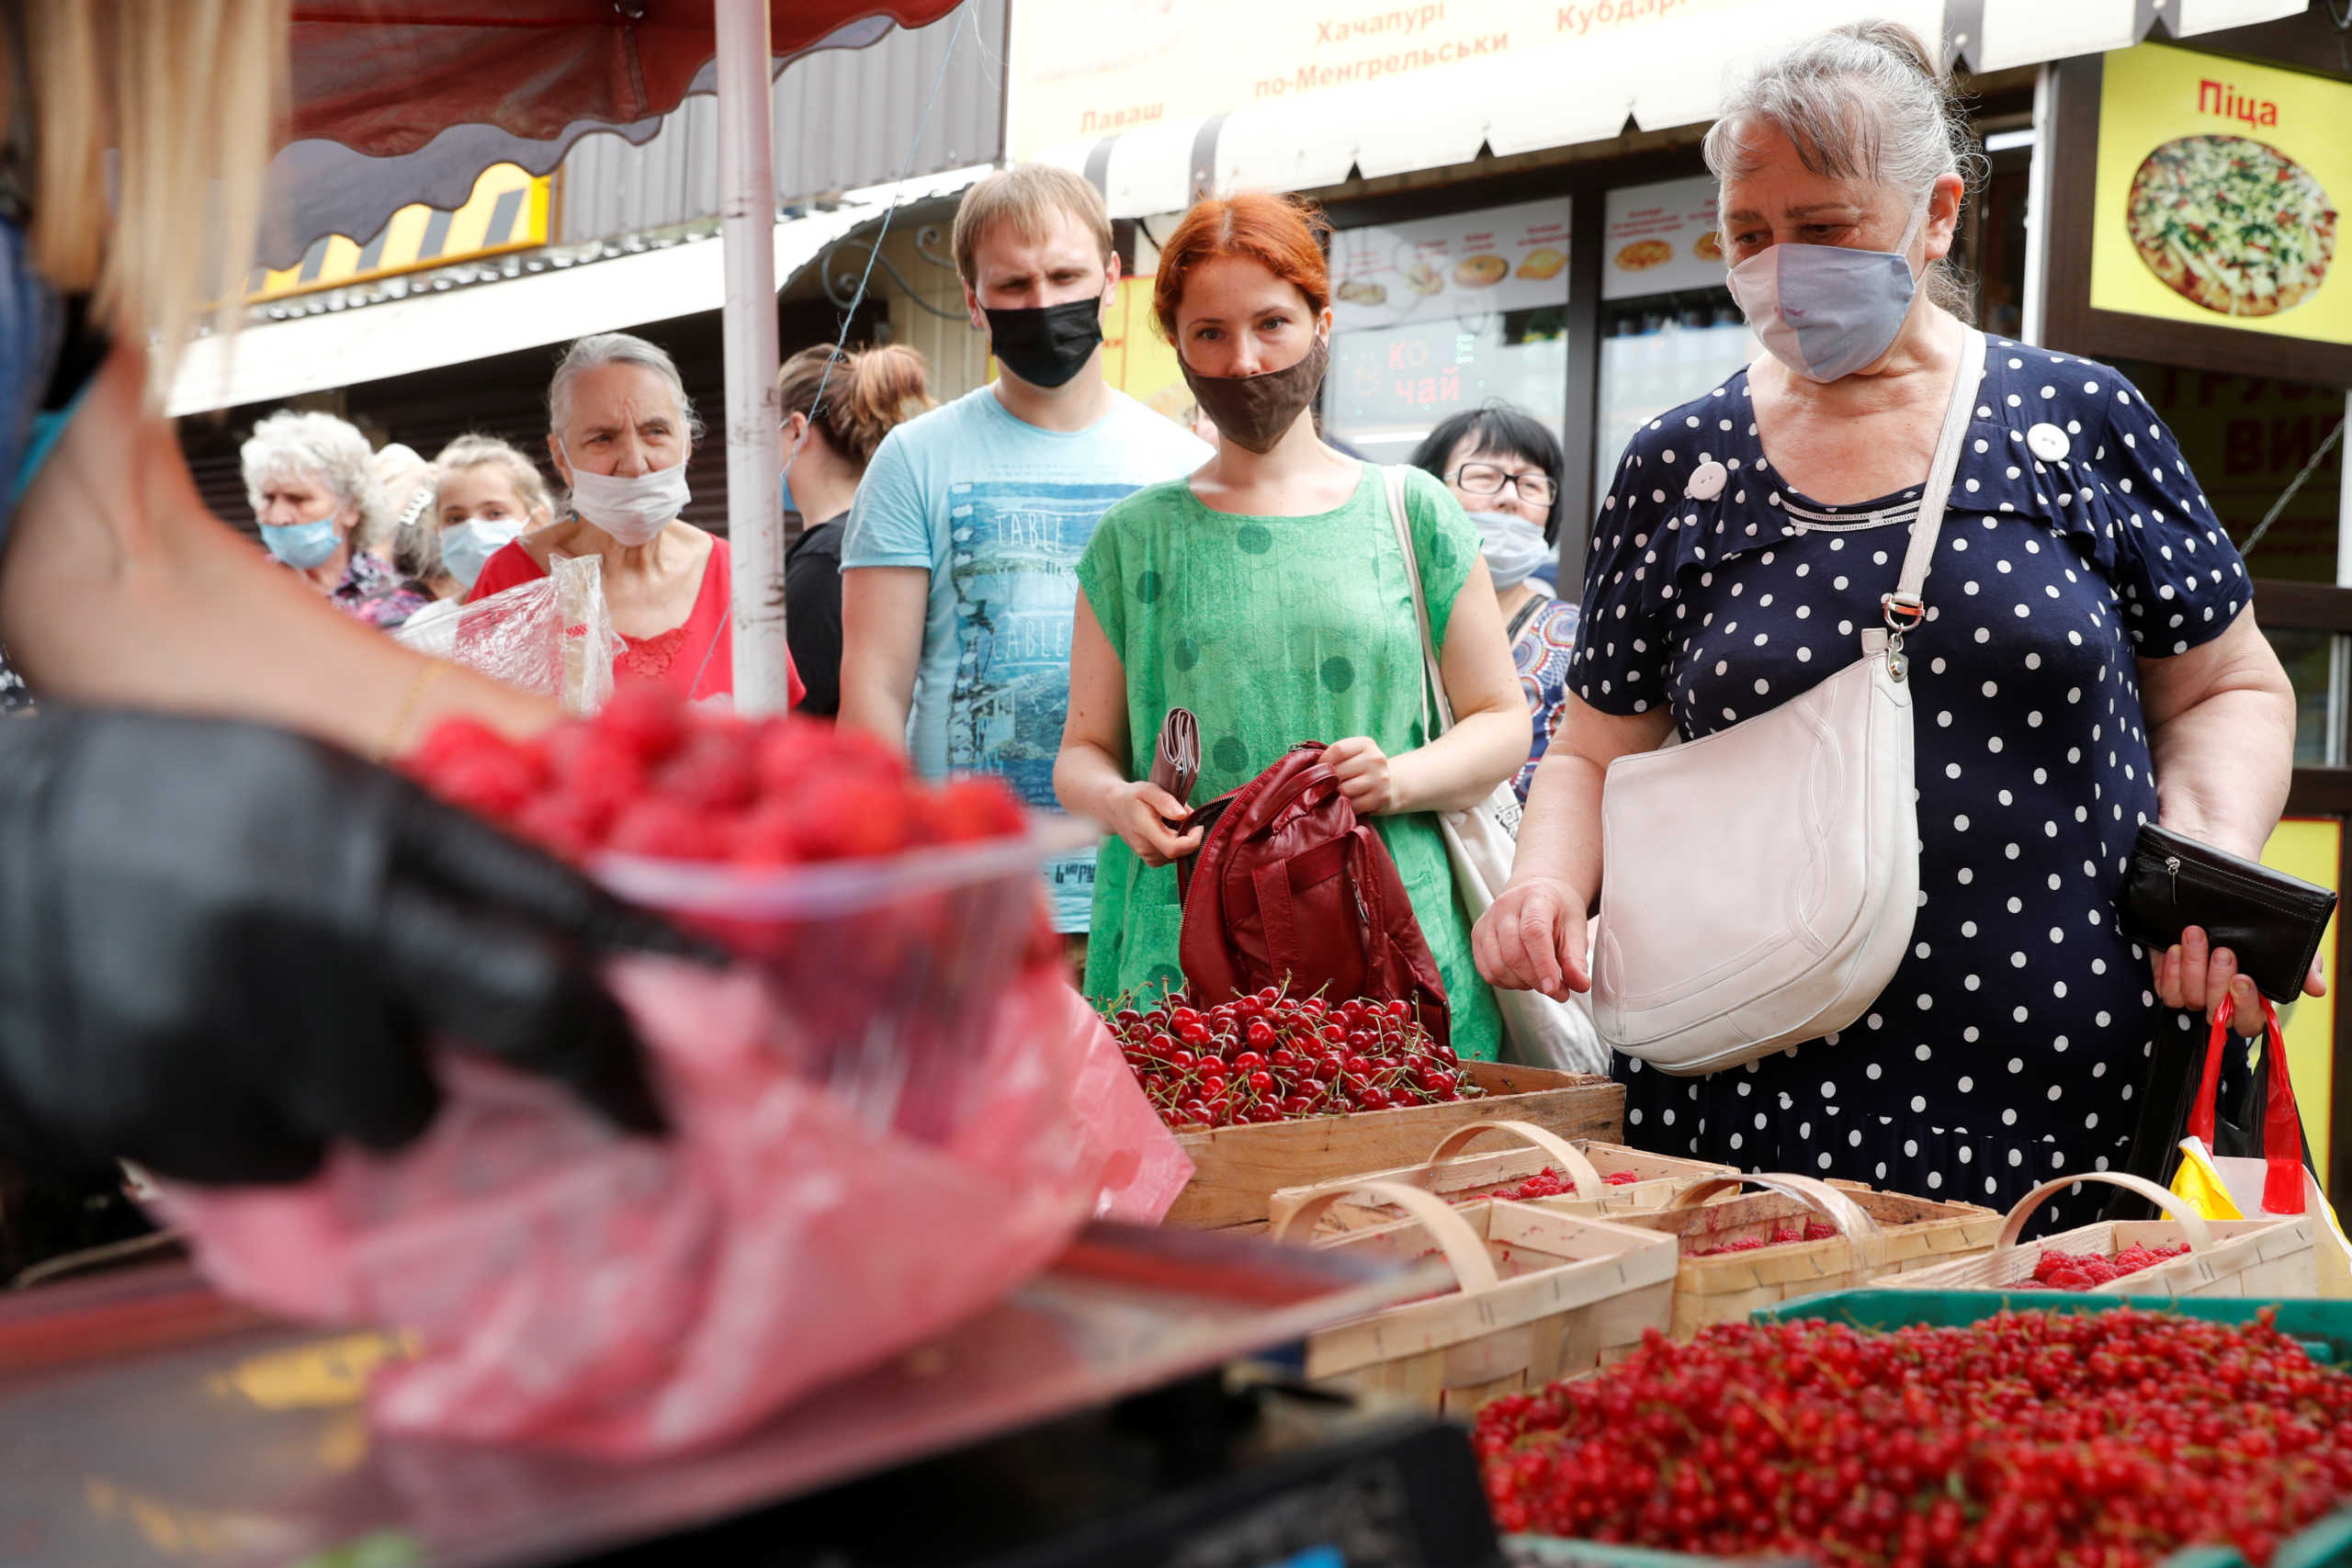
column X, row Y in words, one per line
column 2221, row 1187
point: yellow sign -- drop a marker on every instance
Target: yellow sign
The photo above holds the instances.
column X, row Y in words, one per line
column 2218, row 184
column 2307, row 847
column 508, row 211
column 1137, row 360
column 1089, row 68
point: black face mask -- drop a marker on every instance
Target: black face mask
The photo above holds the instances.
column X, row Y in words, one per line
column 1047, row 345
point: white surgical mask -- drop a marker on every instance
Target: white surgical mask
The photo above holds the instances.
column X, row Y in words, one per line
column 1513, row 547
column 466, row 547
column 1826, row 311
column 632, row 510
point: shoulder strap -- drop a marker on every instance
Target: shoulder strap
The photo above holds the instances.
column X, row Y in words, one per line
column 1393, row 477
column 1904, row 608
column 1519, row 622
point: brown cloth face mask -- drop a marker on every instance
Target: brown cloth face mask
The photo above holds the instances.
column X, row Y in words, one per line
column 1258, row 410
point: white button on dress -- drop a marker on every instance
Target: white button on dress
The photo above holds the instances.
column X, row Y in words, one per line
column 1707, row 481
column 2047, row 442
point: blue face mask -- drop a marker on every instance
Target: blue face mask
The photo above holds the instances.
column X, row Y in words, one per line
column 302, row 545
column 466, row 547
column 1828, row 311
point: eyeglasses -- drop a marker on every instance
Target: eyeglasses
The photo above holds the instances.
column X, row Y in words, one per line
column 1484, row 478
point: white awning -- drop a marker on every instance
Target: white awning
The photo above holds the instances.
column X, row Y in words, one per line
column 1670, row 70
column 430, row 329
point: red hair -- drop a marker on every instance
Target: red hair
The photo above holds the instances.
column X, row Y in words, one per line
column 1283, row 233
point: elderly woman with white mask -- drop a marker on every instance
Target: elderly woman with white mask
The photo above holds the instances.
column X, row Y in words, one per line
column 620, row 430
column 311, row 479
column 1504, row 468
column 2087, row 661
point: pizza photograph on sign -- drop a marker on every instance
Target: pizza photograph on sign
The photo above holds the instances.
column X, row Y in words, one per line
column 2232, row 224
column 2217, row 194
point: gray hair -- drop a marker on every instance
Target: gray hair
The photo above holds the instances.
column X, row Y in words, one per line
column 319, row 447
column 614, row 348
column 1866, row 101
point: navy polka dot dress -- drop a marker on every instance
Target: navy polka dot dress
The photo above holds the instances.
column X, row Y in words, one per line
column 2011, row 1042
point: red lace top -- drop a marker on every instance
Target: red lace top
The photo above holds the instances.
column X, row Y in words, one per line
column 697, row 656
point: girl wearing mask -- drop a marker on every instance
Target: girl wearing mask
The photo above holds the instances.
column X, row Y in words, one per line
column 1504, row 468
column 1268, row 593
column 489, row 496
column 621, row 430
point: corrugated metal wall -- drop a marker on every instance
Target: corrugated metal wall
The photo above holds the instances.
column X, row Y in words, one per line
column 844, row 118
column 957, row 356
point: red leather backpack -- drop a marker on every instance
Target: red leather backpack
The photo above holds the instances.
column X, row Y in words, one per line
column 1288, row 887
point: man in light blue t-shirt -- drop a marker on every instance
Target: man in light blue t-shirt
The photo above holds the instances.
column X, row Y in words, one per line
column 959, row 561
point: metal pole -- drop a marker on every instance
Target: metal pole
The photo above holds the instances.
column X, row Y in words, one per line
column 755, row 441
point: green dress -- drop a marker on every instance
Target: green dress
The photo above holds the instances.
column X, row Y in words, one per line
column 1275, row 630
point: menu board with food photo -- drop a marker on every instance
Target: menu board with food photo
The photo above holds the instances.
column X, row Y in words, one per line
column 1661, row 239
column 1498, row 258
column 2219, row 185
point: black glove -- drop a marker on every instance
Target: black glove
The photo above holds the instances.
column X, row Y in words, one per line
column 222, row 945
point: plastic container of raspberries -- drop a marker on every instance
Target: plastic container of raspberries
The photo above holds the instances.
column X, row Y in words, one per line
column 889, row 913
column 887, row 970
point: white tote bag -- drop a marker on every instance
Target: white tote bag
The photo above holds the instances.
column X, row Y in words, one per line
column 1481, row 841
column 1758, row 885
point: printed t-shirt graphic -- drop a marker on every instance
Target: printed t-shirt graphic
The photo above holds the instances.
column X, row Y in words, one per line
column 1014, row 551
column 999, row 511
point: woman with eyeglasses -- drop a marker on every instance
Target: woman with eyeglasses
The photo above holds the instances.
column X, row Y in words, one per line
column 1504, row 467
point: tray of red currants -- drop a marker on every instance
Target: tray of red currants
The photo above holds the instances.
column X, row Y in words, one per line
column 1931, row 1429
column 888, row 913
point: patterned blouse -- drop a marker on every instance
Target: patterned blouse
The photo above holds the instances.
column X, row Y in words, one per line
column 376, row 594
column 1543, row 648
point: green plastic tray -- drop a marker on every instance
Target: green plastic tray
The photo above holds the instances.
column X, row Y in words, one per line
column 2323, row 1327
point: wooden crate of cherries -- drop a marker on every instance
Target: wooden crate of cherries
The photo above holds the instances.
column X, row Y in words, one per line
column 1273, row 1057
column 1272, row 1090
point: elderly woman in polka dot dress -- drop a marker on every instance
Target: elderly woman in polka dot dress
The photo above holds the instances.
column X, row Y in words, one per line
column 2089, row 662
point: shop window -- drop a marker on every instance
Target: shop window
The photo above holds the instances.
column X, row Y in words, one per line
column 1438, row 315
column 1669, row 329
column 1658, row 352
column 1992, row 246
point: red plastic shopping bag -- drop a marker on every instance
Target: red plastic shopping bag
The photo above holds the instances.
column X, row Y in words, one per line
column 624, row 1296
column 2265, row 1171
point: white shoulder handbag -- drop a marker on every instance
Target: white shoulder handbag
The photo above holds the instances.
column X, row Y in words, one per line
column 1758, row 885
column 1481, row 842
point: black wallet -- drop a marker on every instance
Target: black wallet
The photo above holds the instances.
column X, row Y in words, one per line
column 2272, row 922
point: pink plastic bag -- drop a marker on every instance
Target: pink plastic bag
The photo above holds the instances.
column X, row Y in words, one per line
column 1139, row 1165
column 625, row 1297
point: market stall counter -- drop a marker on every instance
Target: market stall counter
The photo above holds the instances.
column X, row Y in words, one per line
column 143, row 1421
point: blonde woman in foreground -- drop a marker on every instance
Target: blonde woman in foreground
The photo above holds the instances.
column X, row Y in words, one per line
column 223, row 930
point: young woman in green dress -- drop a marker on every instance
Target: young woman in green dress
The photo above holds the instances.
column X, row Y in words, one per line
column 1268, row 593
